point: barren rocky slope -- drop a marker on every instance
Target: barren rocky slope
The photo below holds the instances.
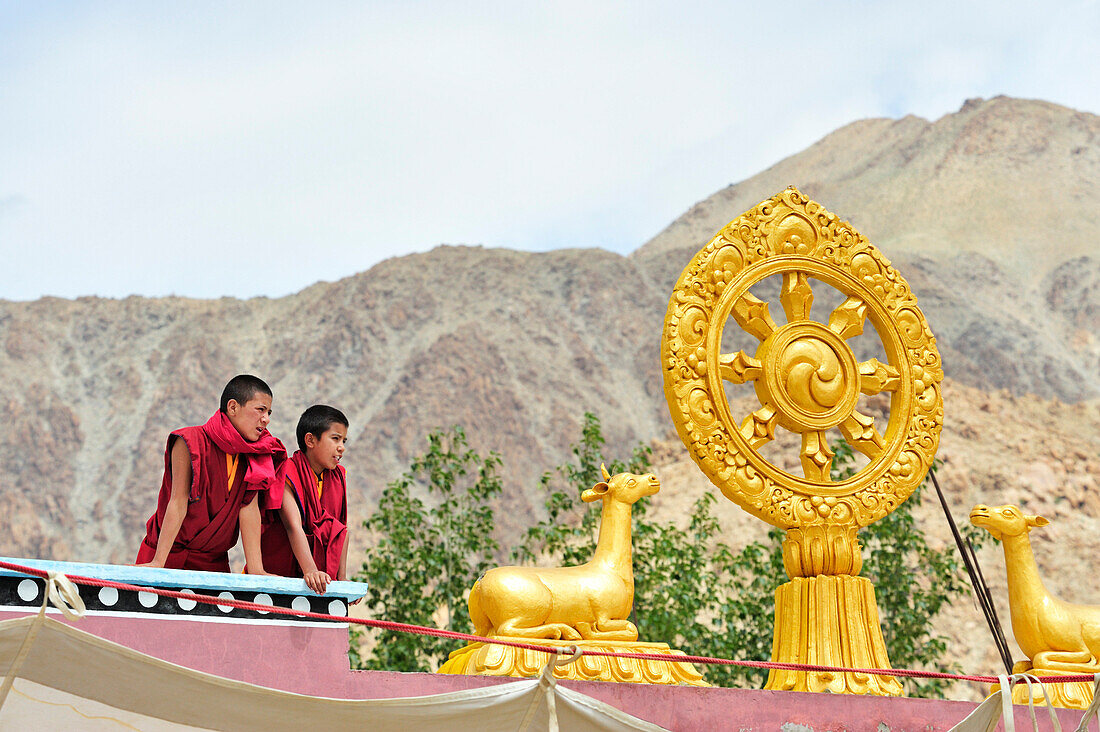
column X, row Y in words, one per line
column 1009, row 179
column 991, row 213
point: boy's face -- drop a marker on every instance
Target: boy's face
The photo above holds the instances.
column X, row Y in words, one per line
column 250, row 418
column 327, row 451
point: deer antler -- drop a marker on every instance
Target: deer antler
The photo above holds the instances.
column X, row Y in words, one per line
column 606, row 475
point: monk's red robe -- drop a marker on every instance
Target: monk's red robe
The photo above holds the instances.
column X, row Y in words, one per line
column 324, row 520
column 210, row 528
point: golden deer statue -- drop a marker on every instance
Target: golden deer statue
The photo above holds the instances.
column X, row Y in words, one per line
column 592, row 601
column 1058, row 637
column 574, row 609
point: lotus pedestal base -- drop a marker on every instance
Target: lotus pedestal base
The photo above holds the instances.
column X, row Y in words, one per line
column 487, row 659
column 830, row 621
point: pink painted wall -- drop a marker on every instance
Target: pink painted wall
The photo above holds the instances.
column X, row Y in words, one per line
column 313, row 660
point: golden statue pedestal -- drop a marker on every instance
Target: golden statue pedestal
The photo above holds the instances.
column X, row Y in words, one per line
column 827, row 616
column 829, row 621
column 489, row 659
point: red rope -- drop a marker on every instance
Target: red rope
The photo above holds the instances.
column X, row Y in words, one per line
column 440, row 633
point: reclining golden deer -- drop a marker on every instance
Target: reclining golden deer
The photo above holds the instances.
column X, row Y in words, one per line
column 590, row 602
column 1056, row 635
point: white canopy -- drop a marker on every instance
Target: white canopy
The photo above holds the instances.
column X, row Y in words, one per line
column 69, row 679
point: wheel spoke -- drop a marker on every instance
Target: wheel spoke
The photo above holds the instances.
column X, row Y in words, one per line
column 847, row 320
column 796, row 296
column 875, row 377
column 817, row 456
column 738, row 367
column 751, row 313
column 759, row 427
column 859, row 430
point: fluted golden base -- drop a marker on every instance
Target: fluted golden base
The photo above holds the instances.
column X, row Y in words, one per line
column 1074, row 695
column 487, row 659
column 830, row 621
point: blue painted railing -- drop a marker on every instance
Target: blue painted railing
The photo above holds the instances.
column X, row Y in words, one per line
column 204, row 582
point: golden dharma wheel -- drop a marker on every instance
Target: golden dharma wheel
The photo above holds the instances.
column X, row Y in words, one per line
column 806, row 376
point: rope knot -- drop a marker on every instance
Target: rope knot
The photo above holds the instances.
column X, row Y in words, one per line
column 63, row 594
column 574, row 653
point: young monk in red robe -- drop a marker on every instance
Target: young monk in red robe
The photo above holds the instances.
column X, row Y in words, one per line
column 217, row 477
column 308, row 537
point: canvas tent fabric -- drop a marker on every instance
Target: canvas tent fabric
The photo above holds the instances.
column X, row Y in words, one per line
column 69, row 679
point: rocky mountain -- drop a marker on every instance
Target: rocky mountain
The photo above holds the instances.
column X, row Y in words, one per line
column 1011, row 180
column 991, row 213
column 513, row 346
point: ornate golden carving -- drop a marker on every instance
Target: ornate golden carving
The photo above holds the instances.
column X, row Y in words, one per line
column 806, row 376
column 1058, row 637
column 814, row 550
column 486, row 659
column 808, row 381
column 587, row 606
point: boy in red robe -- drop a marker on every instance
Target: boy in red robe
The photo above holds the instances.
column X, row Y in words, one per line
column 308, row 539
column 217, row 477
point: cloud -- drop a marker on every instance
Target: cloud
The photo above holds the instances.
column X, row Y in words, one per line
column 254, row 149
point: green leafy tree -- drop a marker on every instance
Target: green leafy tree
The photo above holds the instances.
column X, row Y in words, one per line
column 428, row 554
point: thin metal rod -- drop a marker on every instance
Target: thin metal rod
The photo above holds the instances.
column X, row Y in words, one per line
column 977, row 582
column 1002, row 643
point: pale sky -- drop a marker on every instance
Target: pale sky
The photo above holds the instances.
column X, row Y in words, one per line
column 242, row 149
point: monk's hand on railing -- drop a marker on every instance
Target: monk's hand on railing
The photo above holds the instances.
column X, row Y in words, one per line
column 317, row 581
column 154, row 564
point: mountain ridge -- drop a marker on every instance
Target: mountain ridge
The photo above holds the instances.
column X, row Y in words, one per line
column 986, row 152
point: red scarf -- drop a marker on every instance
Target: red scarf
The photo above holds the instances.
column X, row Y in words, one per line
column 267, row 464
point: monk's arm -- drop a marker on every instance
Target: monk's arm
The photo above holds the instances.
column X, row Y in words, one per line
column 176, row 510
column 249, row 519
column 292, row 520
column 342, row 574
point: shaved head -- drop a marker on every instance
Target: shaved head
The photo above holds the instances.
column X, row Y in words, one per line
column 243, row 387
